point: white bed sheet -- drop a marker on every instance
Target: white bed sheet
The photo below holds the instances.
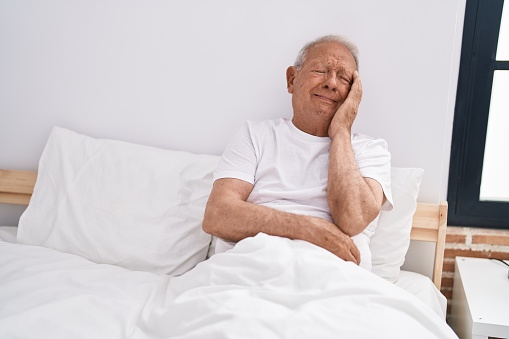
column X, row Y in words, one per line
column 421, row 286
column 267, row 287
column 424, row 289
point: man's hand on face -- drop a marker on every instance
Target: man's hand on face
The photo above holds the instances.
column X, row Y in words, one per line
column 347, row 112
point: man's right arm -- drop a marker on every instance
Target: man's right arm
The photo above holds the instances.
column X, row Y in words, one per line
column 229, row 216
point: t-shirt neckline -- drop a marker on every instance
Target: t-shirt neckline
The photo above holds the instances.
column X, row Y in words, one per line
column 305, row 136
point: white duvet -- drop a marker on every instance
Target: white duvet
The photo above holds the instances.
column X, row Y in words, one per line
column 266, row 287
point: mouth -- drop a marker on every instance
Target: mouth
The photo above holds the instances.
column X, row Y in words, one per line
column 325, row 98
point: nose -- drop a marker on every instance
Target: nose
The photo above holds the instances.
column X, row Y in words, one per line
column 331, row 82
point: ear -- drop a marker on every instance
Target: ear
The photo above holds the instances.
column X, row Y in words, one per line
column 290, row 77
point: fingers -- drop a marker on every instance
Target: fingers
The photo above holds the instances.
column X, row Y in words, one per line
column 356, row 88
column 337, row 242
column 356, row 254
column 347, row 111
column 356, row 77
column 353, row 257
column 353, row 254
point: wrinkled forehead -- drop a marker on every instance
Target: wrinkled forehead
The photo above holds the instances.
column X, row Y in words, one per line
column 330, row 53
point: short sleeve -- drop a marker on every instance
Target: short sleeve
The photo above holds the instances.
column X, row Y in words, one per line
column 374, row 161
column 239, row 158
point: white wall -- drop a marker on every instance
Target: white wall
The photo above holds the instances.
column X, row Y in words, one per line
column 185, row 74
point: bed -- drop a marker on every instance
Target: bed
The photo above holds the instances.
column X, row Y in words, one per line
column 111, row 246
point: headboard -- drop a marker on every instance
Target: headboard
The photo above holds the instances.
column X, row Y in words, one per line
column 16, row 187
column 429, row 221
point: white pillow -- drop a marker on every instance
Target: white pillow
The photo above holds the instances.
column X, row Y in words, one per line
column 389, row 244
column 118, row 203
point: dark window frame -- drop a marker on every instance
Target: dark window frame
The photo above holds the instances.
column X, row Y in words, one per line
column 477, row 66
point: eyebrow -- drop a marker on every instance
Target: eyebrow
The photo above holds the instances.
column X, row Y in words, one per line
column 341, row 69
column 316, row 64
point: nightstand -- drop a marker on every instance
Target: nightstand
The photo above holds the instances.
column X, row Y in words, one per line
column 480, row 299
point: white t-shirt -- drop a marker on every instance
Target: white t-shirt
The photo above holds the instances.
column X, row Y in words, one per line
column 289, row 171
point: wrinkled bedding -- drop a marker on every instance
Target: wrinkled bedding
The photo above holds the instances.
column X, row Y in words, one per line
column 266, row 287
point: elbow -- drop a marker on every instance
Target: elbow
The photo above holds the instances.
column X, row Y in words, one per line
column 210, row 220
column 353, row 227
column 206, row 226
column 368, row 215
column 354, row 222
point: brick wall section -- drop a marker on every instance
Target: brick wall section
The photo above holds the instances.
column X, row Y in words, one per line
column 471, row 242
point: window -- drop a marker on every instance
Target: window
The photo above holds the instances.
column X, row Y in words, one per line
column 478, row 191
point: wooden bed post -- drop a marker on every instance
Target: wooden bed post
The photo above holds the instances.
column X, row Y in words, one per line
column 440, row 244
column 430, row 224
column 16, row 187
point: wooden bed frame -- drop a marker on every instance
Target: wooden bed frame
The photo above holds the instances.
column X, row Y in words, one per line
column 429, row 222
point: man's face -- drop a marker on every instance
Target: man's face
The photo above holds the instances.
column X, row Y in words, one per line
column 323, row 82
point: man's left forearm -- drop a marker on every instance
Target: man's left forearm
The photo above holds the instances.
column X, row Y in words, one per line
column 354, row 201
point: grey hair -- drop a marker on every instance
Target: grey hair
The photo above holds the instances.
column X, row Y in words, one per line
column 301, row 57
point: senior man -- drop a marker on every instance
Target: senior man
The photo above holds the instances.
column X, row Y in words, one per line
column 307, row 178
